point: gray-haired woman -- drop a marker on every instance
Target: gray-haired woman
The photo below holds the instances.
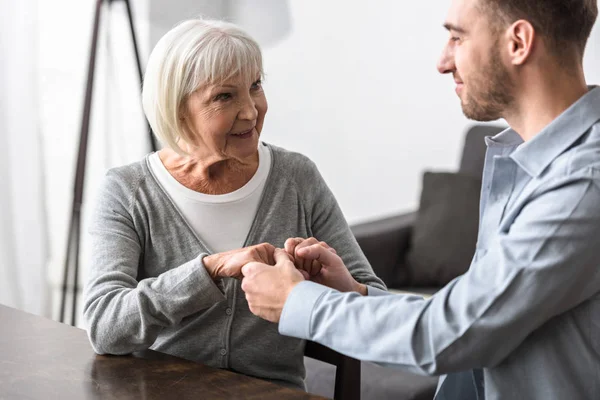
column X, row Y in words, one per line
column 171, row 233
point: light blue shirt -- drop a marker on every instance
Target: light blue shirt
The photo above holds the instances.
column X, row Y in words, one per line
column 528, row 309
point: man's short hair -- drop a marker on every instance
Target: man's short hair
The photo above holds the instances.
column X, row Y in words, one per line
column 562, row 23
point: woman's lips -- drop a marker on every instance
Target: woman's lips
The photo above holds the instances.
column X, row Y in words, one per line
column 243, row 135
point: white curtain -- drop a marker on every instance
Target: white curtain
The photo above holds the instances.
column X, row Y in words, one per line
column 43, row 67
column 23, row 232
column 118, row 133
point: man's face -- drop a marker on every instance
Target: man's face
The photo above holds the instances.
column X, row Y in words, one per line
column 473, row 55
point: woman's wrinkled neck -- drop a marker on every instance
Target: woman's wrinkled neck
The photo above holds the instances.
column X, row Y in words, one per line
column 209, row 174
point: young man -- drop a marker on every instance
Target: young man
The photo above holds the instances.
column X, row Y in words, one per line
column 524, row 321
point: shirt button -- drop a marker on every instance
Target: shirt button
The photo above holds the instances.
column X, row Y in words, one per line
column 223, row 352
column 228, row 311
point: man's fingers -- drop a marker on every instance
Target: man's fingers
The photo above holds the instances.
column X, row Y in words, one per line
column 291, row 243
column 328, row 247
column 306, row 242
column 319, row 253
column 290, row 246
column 315, row 267
column 247, row 270
column 305, row 274
column 281, row 257
column 251, row 268
column 306, row 265
column 311, row 266
column 300, row 262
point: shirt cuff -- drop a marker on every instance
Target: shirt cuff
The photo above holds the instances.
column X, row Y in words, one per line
column 373, row 291
column 297, row 311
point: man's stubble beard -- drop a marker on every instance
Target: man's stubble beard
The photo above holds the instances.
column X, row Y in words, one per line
column 490, row 91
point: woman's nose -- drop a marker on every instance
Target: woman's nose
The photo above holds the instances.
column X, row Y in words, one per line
column 248, row 109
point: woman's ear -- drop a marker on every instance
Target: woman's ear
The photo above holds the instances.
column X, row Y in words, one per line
column 520, row 35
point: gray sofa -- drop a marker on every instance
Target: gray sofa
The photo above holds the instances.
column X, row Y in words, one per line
column 386, row 243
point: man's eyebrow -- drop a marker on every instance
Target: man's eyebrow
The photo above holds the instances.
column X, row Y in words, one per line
column 454, row 28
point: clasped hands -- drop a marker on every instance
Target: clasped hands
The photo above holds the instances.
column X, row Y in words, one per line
column 269, row 274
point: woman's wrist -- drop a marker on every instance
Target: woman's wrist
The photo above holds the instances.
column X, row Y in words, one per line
column 210, row 262
column 361, row 288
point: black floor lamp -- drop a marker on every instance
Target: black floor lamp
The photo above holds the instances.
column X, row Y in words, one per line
column 71, row 269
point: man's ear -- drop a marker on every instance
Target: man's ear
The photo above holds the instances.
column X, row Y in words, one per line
column 521, row 36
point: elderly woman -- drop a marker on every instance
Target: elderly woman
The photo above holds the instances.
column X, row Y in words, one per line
column 170, row 233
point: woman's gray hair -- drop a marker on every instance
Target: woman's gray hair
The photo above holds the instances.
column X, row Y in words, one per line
column 194, row 53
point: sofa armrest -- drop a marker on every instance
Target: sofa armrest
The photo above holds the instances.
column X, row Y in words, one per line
column 385, row 242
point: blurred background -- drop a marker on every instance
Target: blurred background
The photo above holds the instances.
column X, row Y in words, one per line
column 354, row 87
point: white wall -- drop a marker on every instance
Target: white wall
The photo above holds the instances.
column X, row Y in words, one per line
column 355, row 88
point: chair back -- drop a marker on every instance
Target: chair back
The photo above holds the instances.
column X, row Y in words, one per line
column 473, row 155
column 347, row 374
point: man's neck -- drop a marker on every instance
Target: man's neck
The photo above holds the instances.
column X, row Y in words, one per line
column 543, row 101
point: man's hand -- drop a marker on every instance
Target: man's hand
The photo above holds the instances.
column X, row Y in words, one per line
column 308, row 268
column 268, row 287
column 322, row 265
column 229, row 264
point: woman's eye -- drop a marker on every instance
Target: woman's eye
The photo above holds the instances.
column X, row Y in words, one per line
column 455, row 38
column 257, row 84
column 222, row 96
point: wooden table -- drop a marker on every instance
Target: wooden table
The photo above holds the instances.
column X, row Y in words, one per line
column 43, row 359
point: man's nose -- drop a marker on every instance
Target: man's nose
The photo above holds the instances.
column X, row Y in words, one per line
column 445, row 64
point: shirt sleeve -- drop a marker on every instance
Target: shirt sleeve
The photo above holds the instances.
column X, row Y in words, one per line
column 329, row 225
column 373, row 291
column 545, row 264
column 124, row 314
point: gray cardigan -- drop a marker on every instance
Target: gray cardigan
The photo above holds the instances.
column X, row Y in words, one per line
column 148, row 287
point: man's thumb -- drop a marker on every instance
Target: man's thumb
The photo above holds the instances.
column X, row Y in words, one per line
column 249, row 269
column 281, row 257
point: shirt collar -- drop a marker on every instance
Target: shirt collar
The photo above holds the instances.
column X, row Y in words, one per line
column 538, row 153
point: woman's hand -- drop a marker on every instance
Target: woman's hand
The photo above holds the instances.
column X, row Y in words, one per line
column 229, row 264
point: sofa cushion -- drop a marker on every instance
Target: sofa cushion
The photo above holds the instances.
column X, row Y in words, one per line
column 445, row 230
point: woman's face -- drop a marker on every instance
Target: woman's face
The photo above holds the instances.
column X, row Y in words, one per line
column 226, row 119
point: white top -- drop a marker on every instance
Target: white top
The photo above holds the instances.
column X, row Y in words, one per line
column 222, row 222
